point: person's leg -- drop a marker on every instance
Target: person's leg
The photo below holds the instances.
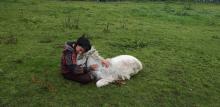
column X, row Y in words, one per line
column 83, row 78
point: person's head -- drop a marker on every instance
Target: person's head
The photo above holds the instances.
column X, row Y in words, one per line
column 82, row 45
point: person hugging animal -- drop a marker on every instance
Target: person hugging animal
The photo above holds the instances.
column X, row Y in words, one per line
column 73, row 51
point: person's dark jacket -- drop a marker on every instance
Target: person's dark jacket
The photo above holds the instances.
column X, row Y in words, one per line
column 68, row 61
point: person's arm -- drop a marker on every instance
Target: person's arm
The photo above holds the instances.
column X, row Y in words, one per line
column 90, row 68
column 70, row 66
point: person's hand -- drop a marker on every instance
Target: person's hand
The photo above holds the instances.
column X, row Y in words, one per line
column 106, row 63
column 94, row 67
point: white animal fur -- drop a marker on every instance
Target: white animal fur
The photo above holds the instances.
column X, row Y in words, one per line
column 121, row 67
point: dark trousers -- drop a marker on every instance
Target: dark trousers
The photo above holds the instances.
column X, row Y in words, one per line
column 81, row 78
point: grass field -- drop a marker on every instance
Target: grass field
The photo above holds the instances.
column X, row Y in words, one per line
column 178, row 44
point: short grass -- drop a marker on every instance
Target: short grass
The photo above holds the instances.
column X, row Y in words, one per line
column 178, row 44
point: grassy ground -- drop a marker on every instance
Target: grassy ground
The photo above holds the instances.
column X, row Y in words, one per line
column 177, row 43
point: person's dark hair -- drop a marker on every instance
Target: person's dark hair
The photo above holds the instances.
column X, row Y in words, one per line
column 83, row 42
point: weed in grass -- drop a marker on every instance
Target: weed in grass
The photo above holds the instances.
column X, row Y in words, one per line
column 23, row 17
column 18, row 61
column 107, row 27
column 182, row 12
column 123, row 23
column 129, row 44
column 71, row 23
column 218, row 15
column 216, row 37
column 8, row 39
column 58, row 45
column 68, row 23
column 187, row 5
column 76, row 23
column 46, row 40
column 211, row 22
column 20, row 13
column 167, row 8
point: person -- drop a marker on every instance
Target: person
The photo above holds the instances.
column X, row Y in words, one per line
column 69, row 68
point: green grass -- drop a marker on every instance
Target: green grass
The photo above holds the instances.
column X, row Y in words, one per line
column 177, row 44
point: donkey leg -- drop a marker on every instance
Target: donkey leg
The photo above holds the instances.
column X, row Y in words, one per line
column 104, row 81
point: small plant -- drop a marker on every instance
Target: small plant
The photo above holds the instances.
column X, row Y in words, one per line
column 20, row 13
column 106, row 28
column 129, row 44
column 18, row 61
column 71, row 23
column 27, row 19
column 215, row 37
column 11, row 39
column 167, row 8
column 211, row 22
column 187, row 5
column 46, row 39
column 182, row 13
column 123, row 22
column 76, row 22
column 68, row 23
column 58, row 45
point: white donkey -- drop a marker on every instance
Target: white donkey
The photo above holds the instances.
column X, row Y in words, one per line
column 121, row 67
